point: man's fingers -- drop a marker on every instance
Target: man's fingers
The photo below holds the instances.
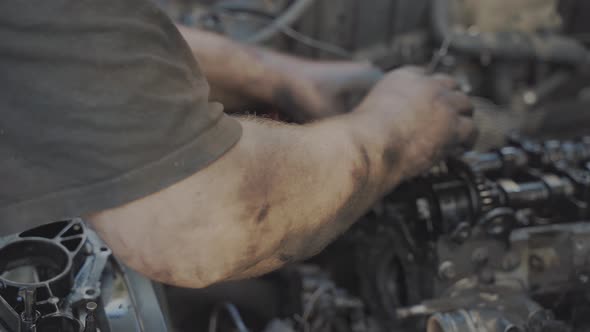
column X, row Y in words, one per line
column 415, row 69
column 466, row 132
column 459, row 102
column 464, row 104
column 446, row 81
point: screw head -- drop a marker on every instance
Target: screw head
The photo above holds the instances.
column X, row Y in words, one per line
column 91, row 306
column 447, row 270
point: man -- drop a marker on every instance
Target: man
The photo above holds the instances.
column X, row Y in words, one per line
column 105, row 114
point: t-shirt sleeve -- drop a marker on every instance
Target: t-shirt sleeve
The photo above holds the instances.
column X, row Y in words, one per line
column 101, row 103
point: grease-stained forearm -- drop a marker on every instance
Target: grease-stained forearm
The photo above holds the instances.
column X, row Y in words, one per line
column 281, row 194
column 284, row 192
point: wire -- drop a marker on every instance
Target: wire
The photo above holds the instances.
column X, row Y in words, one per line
column 313, row 299
column 320, row 45
column 288, row 31
column 440, row 54
column 288, row 17
column 233, row 312
column 309, row 306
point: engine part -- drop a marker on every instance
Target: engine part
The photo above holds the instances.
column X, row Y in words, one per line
column 503, row 236
column 475, row 308
column 509, row 44
column 489, row 241
column 54, row 277
column 529, row 16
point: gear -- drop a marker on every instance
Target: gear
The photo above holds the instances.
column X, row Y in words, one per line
column 487, row 193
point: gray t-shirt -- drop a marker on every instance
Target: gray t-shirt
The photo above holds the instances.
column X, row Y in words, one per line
column 101, row 103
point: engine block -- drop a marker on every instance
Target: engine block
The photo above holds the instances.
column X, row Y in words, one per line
column 496, row 240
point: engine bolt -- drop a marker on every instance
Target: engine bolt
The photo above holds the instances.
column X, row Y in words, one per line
column 447, row 270
column 29, row 300
column 90, row 324
column 29, row 316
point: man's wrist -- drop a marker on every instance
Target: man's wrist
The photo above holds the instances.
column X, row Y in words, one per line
column 384, row 146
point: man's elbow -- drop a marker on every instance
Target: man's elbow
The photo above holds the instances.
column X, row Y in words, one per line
column 161, row 251
column 180, row 237
column 177, row 271
column 155, row 260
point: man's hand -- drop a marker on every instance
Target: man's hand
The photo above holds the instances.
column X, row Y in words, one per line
column 418, row 118
column 312, row 90
column 304, row 90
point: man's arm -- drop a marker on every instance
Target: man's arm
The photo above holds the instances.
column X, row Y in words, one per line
column 304, row 89
column 284, row 192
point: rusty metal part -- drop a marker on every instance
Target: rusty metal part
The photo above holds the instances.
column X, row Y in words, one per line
column 470, row 307
column 506, row 44
column 501, row 15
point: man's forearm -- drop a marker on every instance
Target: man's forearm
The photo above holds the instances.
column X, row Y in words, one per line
column 240, row 74
column 282, row 194
column 233, row 68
